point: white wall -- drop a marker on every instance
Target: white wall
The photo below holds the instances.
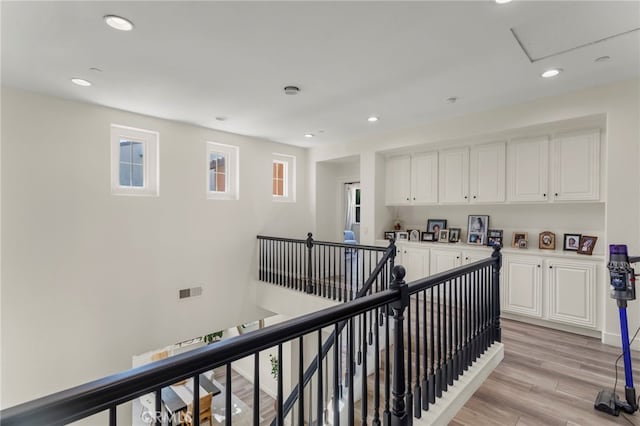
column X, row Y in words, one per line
column 89, row 279
column 619, row 103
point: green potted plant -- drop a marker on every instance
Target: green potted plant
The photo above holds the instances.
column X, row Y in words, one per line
column 212, row 337
column 274, row 366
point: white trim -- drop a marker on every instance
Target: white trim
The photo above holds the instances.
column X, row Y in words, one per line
column 289, row 175
column 614, row 339
column 232, row 171
column 151, row 160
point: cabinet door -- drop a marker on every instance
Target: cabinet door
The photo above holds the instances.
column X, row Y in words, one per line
column 522, row 286
column 453, row 173
column 527, row 170
column 572, row 292
column 424, row 178
column 416, row 262
column 443, row 260
column 576, row 166
column 474, row 256
column 398, row 177
column 487, row 173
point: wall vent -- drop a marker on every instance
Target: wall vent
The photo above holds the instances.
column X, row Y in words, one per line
column 189, row 292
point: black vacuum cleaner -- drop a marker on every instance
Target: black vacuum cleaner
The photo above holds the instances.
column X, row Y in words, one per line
column 622, row 290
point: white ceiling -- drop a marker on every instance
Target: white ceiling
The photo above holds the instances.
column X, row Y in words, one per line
column 193, row 61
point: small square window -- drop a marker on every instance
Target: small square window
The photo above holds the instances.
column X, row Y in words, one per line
column 283, row 177
column 134, row 161
column 222, row 171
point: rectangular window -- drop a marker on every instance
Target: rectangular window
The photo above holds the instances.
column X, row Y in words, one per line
column 357, row 205
column 222, row 171
column 283, row 178
column 134, row 161
column 279, row 178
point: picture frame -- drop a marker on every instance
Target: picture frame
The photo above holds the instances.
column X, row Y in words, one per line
column 435, row 225
column 477, row 227
column 494, row 241
column 495, row 233
column 454, row 235
column 547, row 240
column 414, row 235
column 402, row 236
column 571, row 242
column 428, row 236
column 389, row 235
column 520, row 240
column 443, row 237
column 586, row 245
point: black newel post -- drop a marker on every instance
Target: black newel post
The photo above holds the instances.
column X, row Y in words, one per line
column 309, row 244
column 394, row 251
column 398, row 409
column 497, row 332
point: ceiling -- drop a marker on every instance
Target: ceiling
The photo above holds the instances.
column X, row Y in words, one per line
column 195, row 61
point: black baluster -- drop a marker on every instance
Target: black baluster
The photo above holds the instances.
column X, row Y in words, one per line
column 279, row 410
column 196, row 400
column 417, row 393
column 301, row 380
column 497, row 257
column 256, row 389
column 113, row 413
column 309, row 244
column 432, row 370
column 350, row 368
column 387, row 373
column 376, row 371
column 364, row 399
column 320, row 405
column 439, row 331
column 228, row 392
column 336, row 376
column 408, row 388
column 398, row 410
column 449, row 326
column 425, row 357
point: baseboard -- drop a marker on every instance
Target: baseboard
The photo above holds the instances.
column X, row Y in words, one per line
column 550, row 324
column 446, row 408
column 614, row 339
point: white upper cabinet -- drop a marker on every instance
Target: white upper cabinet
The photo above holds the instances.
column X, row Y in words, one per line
column 576, row 166
column 398, row 177
column 487, row 173
column 412, row 179
column 424, row 178
column 454, row 176
column 527, row 170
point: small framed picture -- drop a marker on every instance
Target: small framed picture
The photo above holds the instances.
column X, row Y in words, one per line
column 402, row 236
column 586, row 244
column 571, row 242
column 547, row 240
column 435, row 225
column 520, row 240
column 414, row 235
column 388, row 235
column 428, row 236
column 495, row 233
column 477, row 226
column 443, row 237
column 494, row 241
column 454, row 235
column 476, row 238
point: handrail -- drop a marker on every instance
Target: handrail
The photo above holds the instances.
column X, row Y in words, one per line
column 390, row 253
column 323, row 243
column 84, row 400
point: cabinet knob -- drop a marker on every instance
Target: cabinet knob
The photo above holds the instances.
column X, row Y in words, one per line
column 538, row 266
column 414, row 198
column 465, row 197
column 474, row 197
column 544, row 195
column 466, row 258
column 457, row 257
column 550, row 267
column 556, row 194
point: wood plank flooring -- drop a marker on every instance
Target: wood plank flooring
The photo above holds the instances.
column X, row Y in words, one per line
column 547, row 377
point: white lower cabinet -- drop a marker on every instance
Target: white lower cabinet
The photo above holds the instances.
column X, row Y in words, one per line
column 443, row 260
column 522, row 285
column 415, row 261
column 572, row 292
column 557, row 290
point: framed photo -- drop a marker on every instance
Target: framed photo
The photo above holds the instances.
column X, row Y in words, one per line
column 476, row 238
column 477, row 229
column 414, row 235
column 495, row 233
column 402, row 236
column 547, row 241
column 388, row 235
column 494, row 241
column 454, row 235
column 435, row 225
column 520, row 240
column 571, row 242
column 586, row 245
column 428, row 236
column 443, row 237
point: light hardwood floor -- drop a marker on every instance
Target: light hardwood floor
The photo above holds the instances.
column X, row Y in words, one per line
column 547, row 377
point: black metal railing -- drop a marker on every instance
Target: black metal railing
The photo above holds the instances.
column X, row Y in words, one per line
column 336, row 271
column 414, row 341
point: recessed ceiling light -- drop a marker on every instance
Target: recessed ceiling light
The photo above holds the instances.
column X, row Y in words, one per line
column 603, row 59
column 94, row 69
column 372, row 119
column 551, row 72
column 291, row 90
column 81, row 82
column 221, row 118
column 118, row 23
column 452, row 99
column 308, row 135
column 503, row 1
